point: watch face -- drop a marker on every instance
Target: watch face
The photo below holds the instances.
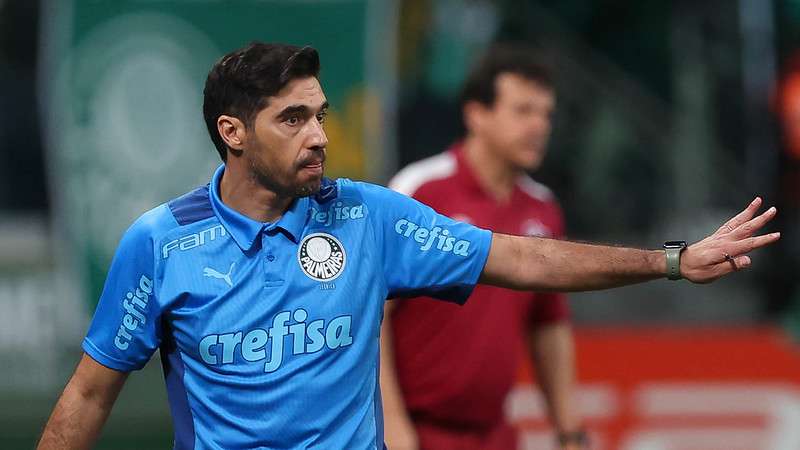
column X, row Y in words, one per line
column 675, row 244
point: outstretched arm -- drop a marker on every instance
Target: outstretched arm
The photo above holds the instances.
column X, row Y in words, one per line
column 83, row 407
column 539, row 264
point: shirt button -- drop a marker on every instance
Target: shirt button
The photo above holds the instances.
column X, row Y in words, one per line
column 270, row 257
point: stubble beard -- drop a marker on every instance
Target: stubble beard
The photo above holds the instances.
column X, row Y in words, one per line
column 308, row 189
column 263, row 176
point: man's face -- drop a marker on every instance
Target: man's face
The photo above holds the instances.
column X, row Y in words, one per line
column 517, row 126
column 285, row 149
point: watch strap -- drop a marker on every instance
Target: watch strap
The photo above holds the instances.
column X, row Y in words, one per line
column 673, row 263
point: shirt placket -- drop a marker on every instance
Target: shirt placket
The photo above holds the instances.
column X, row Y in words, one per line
column 273, row 259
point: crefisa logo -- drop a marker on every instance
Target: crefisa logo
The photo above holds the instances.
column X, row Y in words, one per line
column 321, row 256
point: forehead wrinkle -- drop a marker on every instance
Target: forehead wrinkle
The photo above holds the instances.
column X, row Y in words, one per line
column 296, row 93
column 303, row 87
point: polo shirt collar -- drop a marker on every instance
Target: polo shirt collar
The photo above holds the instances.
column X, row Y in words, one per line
column 245, row 230
column 294, row 219
column 467, row 178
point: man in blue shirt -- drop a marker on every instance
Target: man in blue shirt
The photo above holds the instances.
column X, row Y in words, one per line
column 264, row 289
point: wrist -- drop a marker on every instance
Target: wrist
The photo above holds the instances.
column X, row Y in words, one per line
column 658, row 263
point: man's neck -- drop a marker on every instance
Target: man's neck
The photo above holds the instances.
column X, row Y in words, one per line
column 240, row 191
column 494, row 175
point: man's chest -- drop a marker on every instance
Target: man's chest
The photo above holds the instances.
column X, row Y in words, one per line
column 258, row 311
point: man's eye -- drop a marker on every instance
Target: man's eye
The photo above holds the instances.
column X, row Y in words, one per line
column 321, row 117
column 292, row 121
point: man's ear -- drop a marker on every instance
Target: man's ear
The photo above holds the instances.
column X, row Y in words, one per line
column 232, row 131
column 474, row 115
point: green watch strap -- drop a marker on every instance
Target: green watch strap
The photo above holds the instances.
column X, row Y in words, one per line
column 673, row 263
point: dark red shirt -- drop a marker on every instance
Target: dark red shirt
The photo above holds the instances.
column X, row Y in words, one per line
column 456, row 364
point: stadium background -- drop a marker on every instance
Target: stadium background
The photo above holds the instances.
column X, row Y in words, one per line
column 671, row 116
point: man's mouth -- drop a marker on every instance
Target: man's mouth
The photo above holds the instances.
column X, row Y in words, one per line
column 314, row 167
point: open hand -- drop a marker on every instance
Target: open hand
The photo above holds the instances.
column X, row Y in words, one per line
column 726, row 250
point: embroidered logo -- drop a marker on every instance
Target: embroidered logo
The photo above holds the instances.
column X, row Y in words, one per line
column 321, row 256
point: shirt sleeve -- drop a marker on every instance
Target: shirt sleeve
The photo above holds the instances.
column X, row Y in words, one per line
column 125, row 330
column 423, row 252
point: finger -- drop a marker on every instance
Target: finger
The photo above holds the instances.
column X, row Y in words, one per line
column 742, row 217
column 733, row 265
column 751, row 226
column 723, row 265
column 747, row 245
column 727, row 266
column 742, row 262
column 737, row 263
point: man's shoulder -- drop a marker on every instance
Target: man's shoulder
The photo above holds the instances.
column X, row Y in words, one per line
column 191, row 207
column 424, row 173
column 359, row 191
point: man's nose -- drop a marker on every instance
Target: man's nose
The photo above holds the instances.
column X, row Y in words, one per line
column 317, row 136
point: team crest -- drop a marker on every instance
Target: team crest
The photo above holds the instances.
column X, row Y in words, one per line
column 321, row 256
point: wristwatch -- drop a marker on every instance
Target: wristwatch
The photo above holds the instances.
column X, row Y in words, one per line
column 673, row 249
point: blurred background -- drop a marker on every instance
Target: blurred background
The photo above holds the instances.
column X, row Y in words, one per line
column 671, row 117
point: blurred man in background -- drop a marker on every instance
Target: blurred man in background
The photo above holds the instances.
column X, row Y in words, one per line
column 446, row 370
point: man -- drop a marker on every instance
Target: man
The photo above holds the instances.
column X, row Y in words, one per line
column 440, row 395
column 264, row 290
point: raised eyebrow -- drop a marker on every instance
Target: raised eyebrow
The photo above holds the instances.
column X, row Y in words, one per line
column 302, row 110
column 293, row 110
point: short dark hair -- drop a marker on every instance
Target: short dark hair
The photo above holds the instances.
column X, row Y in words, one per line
column 501, row 59
column 240, row 82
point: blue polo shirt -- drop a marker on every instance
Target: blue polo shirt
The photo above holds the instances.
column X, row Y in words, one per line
column 269, row 333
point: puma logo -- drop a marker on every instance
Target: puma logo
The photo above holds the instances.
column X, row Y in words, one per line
column 209, row 272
